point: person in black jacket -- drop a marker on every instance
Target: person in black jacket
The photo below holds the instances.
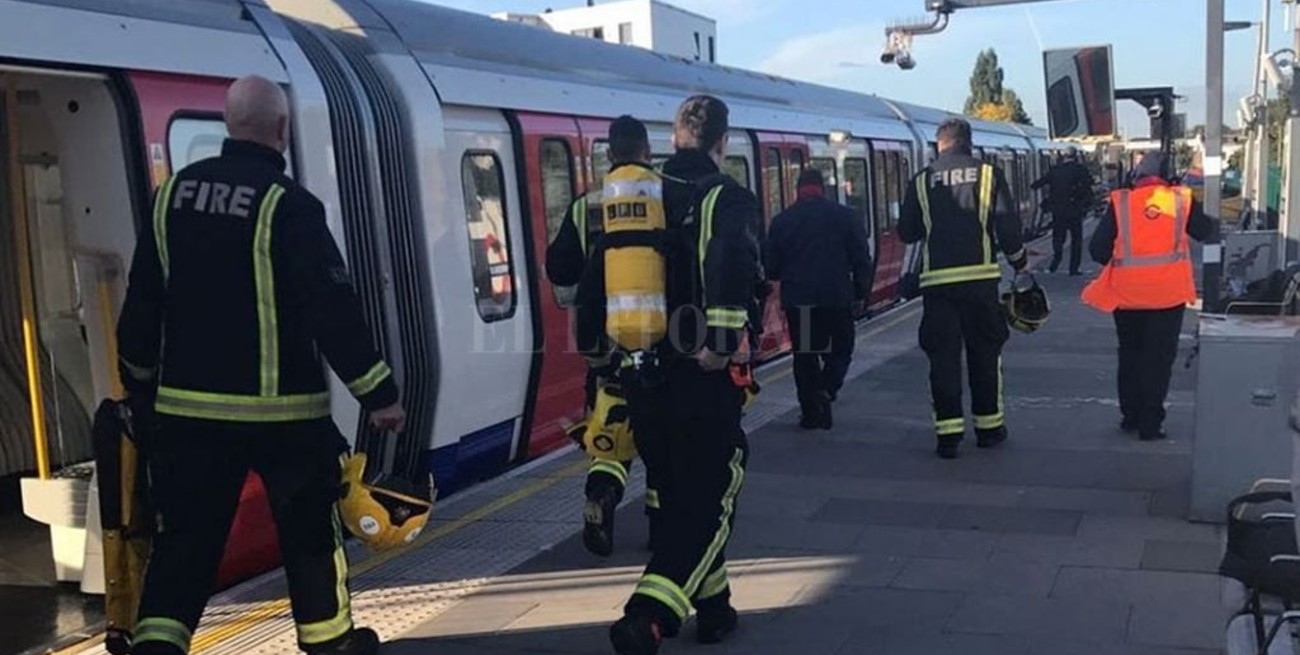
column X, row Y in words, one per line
column 686, row 413
column 960, row 211
column 566, row 258
column 1069, row 194
column 817, row 250
column 235, row 287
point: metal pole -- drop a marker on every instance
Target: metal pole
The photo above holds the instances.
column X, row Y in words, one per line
column 1213, row 164
column 1262, row 160
column 1288, row 224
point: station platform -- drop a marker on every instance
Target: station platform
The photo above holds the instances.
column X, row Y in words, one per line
column 1069, row 540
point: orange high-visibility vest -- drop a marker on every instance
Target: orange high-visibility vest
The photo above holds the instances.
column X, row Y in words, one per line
column 1151, row 266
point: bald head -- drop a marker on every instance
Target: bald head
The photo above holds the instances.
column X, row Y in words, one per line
column 257, row 110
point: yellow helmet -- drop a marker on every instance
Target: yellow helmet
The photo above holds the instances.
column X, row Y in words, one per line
column 384, row 513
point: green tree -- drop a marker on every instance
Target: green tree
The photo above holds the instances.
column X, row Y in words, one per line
column 989, row 99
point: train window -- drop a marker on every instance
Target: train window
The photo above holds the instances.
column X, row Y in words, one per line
column 895, row 186
column 557, row 183
column 879, row 196
column 774, row 182
column 792, row 179
column 826, row 166
column 489, row 235
column 855, row 186
column 194, row 139
column 738, row 168
column 599, row 163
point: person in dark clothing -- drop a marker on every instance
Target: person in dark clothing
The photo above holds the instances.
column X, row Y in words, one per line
column 566, row 258
column 1069, row 195
column 236, row 289
column 817, row 250
column 686, row 408
column 960, row 209
column 1147, row 321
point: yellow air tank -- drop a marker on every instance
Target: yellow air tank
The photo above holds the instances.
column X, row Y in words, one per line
column 636, row 311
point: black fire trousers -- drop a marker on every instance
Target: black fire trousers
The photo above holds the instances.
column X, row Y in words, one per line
column 1063, row 225
column 197, row 471
column 689, row 435
column 1148, row 346
column 822, row 339
column 965, row 315
column 609, row 477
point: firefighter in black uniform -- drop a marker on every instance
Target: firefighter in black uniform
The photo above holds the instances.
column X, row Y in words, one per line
column 1069, row 195
column 235, row 287
column 566, row 257
column 961, row 213
column 686, row 418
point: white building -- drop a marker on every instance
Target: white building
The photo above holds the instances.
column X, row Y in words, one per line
column 648, row 24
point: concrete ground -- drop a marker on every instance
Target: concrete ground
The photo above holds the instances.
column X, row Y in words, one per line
column 1069, row 540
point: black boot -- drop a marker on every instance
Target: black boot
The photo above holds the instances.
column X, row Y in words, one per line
column 636, row 634
column 824, row 399
column 598, row 523
column 713, row 624
column 360, row 641
column 947, row 448
column 990, row 438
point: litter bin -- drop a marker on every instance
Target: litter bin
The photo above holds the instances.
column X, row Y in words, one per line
column 1245, row 382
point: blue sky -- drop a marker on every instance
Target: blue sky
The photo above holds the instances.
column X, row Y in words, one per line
column 838, row 42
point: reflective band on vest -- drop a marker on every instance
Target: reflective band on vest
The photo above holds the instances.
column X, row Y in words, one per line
column 709, row 206
column 268, row 326
column 579, row 212
column 1150, row 265
column 988, row 269
column 160, row 206
column 241, row 408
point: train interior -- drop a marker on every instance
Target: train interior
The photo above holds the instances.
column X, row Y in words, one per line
column 64, row 216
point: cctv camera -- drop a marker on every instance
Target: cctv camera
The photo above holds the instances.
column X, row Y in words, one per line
column 1274, row 73
column 1156, row 111
column 887, row 57
column 906, row 62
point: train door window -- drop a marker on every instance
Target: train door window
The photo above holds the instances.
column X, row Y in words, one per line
column 489, row 236
column 894, row 186
column 880, row 197
column 792, row 178
column 557, row 183
column 826, row 166
column 194, row 139
column 599, row 163
column 855, row 187
column 738, row 168
column 774, row 182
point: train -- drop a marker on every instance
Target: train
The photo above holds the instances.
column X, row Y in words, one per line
column 446, row 147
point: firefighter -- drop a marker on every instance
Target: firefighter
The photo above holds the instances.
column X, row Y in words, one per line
column 1146, row 283
column 235, row 286
column 566, row 257
column 960, row 212
column 685, row 405
column 1069, row 195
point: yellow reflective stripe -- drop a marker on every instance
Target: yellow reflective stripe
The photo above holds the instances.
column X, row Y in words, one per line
column 267, row 323
column 333, row 628
column 609, row 468
column 709, row 206
column 949, row 426
column 1017, row 256
column 724, row 528
column 166, row 630
column 580, row 221
column 161, row 203
column 652, row 498
column 715, row 584
column 961, row 274
column 665, row 591
column 248, row 409
column 991, row 422
column 923, row 195
column 139, row 373
column 986, row 207
column 725, row 318
column 371, row 380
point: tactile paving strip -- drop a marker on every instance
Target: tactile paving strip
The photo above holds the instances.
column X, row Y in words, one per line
column 486, row 532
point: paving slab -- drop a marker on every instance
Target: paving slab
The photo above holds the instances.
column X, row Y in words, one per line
column 1069, row 540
